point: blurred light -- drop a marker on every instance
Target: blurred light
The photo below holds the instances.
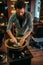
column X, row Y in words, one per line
column 13, row 11
column 5, row 7
column 0, row 2
column 12, row 5
column 27, row 2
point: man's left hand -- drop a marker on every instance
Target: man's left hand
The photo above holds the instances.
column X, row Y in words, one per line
column 22, row 41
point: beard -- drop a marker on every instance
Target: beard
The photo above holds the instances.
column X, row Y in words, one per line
column 21, row 19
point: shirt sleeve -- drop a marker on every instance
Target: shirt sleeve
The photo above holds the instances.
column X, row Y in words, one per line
column 30, row 22
column 10, row 23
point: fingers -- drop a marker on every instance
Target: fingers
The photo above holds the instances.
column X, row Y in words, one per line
column 13, row 40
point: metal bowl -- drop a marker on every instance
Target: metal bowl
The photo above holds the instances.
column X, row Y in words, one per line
column 11, row 45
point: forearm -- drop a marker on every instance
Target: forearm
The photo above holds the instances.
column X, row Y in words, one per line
column 24, row 37
column 27, row 34
column 13, row 39
column 10, row 34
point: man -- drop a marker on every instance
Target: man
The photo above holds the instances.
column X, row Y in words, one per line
column 23, row 23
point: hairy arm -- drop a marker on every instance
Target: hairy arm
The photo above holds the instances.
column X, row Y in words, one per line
column 11, row 36
column 9, row 27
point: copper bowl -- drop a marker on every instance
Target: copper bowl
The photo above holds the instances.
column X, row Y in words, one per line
column 10, row 45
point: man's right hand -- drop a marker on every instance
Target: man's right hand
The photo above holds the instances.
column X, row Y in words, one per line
column 14, row 40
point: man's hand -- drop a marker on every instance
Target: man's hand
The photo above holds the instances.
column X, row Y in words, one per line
column 14, row 40
column 22, row 41
column 24, row 37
